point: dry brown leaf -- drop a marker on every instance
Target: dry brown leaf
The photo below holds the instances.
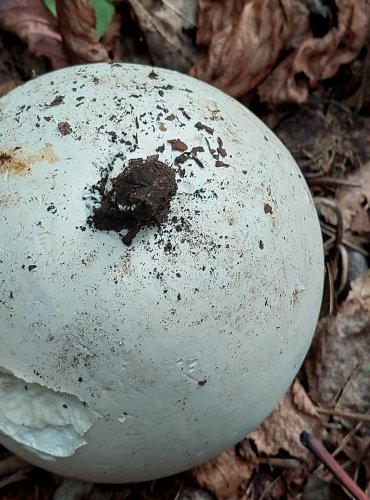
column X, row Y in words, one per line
column 319, row 58
column 77, row 22
column 336, row 367
column 282, row 428
column 225, row 475
column 32, row 22
column 361, row 292
column 111, row 39
column 268, row 43
column 302, row 401
column 358, row 450
column 245, row 39
column 354, row 204
column 8, row 86
column 166, row 26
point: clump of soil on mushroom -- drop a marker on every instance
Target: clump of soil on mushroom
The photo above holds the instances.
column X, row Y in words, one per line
column 139, row 196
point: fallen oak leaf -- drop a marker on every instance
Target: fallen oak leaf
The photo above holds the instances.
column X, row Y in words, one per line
column 225, row 475
column 8, row 86
column 269, row 45
column 77, row 23
column 167, row 28
column 318, row 58
column 302, row 400
column 354, row 205
column 336, row 364
column 111, row 39
column 245, row 40
column 32, row 22
column 282, row 428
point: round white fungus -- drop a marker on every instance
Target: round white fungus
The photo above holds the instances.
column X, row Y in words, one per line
column 161, row 271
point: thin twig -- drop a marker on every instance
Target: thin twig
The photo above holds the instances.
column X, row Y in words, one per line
column 343, row 443
column 328, row 230
column 12, row 464
column 21, row 475
column 344, row 268
column 331, row 289
column 344, row 414
column 322, row 454
column 356, row 370
column 284, row 463
column 329, row 181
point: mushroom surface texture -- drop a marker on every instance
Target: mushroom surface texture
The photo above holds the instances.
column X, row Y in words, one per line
column 161, row 272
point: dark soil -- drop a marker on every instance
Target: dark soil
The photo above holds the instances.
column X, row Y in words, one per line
column 139, row 196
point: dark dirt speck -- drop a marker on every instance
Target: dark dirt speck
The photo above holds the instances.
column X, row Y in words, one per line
column 64, row 128
column 267, row 208
column 55, row 102
column 139, row 196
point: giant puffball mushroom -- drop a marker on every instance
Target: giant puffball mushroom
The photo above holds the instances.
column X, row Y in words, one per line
column 161, row 272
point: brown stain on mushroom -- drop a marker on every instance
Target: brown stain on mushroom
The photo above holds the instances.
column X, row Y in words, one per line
column 17, row 162
column 9, row 200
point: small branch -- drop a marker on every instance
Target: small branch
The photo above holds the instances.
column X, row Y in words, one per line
column 284, row 463
column 12, row 464
column 364, row 417
column 329, row 181
column 322, row 454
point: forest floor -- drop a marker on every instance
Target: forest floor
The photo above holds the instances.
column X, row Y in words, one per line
column 310, row 83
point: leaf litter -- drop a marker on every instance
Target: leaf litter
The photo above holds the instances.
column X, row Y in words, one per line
column 275, row 56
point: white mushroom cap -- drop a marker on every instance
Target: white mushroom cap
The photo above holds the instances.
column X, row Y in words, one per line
column 125, row 363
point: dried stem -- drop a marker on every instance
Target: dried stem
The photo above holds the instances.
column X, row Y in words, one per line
column 322, row 454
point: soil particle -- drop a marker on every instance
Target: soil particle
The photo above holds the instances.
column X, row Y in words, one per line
column 201, row 126
column 178, row 145
column 220, row 163
column 192, row 155
column 64, row 128
column 221, row 150
column 153, row 76
column 267, row 208
column 184, row 113
column 55, row 102
column 139, row 196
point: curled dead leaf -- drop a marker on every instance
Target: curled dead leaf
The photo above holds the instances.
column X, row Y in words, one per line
column 269, row 45
column 8, row 86
column 111, row 39
column 245, row 40
column 361, row 291
column 77, row 23
column 319, row 58
column 282, row 428
column 302, row 401
column 336, row 367
column 32, row 22
column 167, row 27
column 354, row 203
column 225, row 475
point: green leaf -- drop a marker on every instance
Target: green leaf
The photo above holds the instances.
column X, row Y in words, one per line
column 104, row 11
column 50, row 4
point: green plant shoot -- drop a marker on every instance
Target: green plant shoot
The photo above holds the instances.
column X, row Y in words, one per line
column 104, row 11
